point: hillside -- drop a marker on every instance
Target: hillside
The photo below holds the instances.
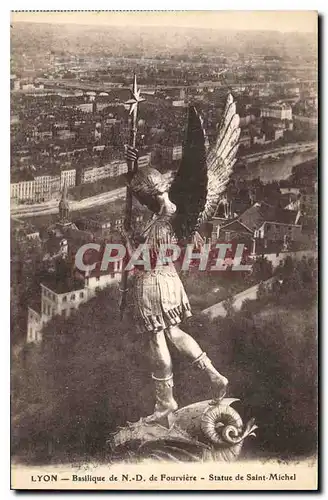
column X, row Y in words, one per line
column 91, row 375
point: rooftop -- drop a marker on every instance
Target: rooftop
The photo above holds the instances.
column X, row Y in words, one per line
column 74, row 236
column 35, row 304
column 59, row 285
column 279, row 105
column 255, row 216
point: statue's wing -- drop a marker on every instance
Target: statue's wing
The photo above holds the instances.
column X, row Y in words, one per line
column 221, row 158
column 189, row 188
column 200, row 181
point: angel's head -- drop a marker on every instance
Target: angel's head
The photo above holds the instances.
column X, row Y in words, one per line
column 150, row 188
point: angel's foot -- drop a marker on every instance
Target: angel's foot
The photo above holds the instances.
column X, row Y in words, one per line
column 160, row 417
column 219, row 383
column 165, row 402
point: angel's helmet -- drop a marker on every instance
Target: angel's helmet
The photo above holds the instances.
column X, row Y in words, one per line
column 150, row 188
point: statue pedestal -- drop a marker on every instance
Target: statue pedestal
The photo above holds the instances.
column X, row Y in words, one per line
column 198, row 432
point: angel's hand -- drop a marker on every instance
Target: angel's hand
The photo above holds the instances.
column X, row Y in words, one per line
column 131, row 154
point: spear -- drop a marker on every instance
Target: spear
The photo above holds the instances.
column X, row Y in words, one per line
column 132, row 167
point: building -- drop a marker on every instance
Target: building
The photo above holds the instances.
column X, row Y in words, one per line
column 112, row 169
column 65, row 287
column 234, row 230
column 118, row 167
column 166, row 152
column 42, row 134
column 177, row 152
column 105, row 225
column 275, row 135
column 294, row 91
column 66, row 134
column 64, row 297
column 40, row 188
column 102, row 226
column 261, row 226
column 68, row 177
column 290, row 190
column 271, row 222
column 306, row 122
column 259, row 139
column 86, row 107
column 179, row 103
column 23, row 190
column 279, row 111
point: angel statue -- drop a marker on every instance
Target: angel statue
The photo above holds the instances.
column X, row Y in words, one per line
column 160, row 302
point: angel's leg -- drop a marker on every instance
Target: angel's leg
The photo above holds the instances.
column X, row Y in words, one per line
column 162, row 376
column 187, row 345
column 160, row 357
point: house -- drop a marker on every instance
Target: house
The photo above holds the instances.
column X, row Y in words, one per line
column 235, row 230
column 227, row 211
column 270, row 222
column 262, row 224
column 63, row 296
column 278, row 110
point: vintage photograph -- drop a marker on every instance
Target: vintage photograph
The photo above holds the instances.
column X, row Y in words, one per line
column 164, row 250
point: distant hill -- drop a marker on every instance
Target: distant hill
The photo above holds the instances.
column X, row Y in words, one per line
column 163, row 40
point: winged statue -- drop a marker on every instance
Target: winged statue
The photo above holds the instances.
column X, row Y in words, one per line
column 158, row 297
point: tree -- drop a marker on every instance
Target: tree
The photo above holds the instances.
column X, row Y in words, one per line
column 262, row 291
column 90, row 376
column 228, row 305
column 262, row 269
column 26, row 269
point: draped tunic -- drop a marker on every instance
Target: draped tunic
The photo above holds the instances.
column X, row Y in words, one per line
column 158, row 295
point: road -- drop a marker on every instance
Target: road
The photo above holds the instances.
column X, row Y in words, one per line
column 51, row 207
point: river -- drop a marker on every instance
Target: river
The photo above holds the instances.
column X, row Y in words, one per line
column 268, row 170
column 273, row 170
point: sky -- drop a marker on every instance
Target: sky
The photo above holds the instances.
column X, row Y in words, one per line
column 285, row 21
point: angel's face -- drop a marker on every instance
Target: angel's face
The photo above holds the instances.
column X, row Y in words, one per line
column 166, row 205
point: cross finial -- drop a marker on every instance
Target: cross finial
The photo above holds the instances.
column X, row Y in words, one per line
column 135, row 99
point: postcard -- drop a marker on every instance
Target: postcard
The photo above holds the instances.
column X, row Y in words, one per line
column 164, row 250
